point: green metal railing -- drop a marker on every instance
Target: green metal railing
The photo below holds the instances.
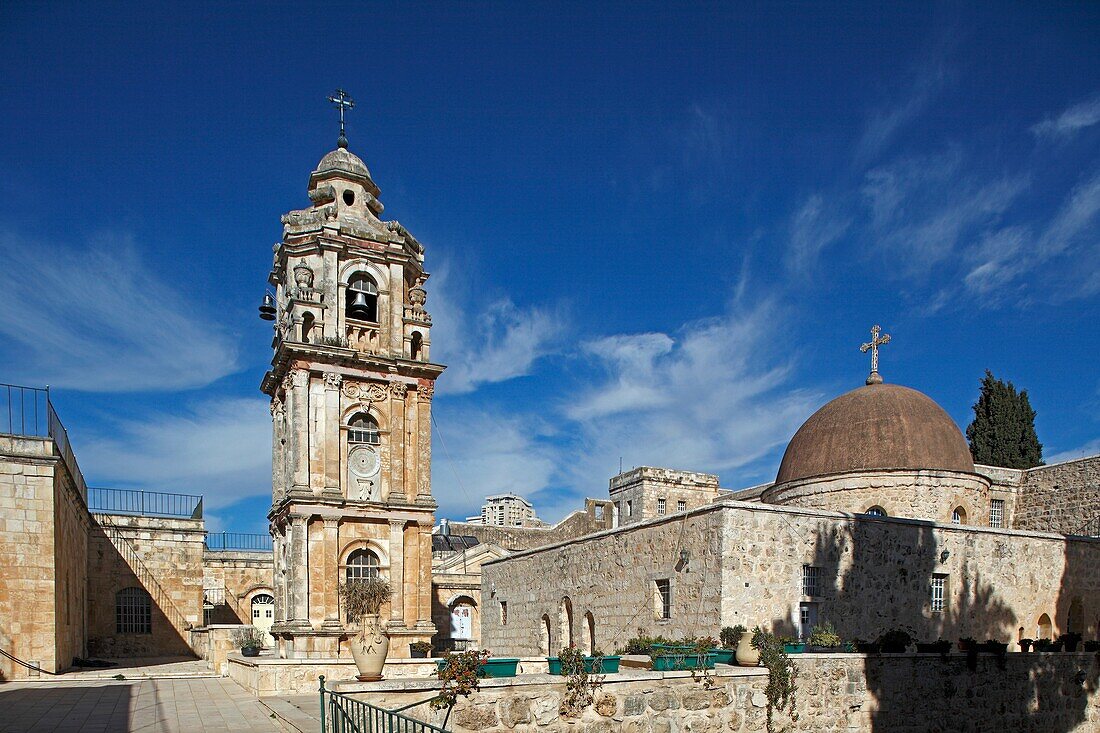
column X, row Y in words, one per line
column 343, row 714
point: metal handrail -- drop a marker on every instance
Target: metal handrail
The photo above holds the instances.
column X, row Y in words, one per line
column 238, row 541
column 1090, row 528
column 135, row 502
column 344, row 714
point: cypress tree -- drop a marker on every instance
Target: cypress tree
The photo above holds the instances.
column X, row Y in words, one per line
column 1003, row 430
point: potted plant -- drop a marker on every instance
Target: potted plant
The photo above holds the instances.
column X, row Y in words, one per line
column 748, row 655
column 363, row 599
column 1043, row 645
column 688, row 654
column 792, row 645
column 895, row 641
column 250, row 640
column 782, row 673
column 459, row 673
column 1092, row 645
column 966, row 643
column 1070, row 641
column 595, row 663
column 420, row 649
column 992, row 646
column 823, row 638
column 941, row 647
column 1025, row 644
column 728, row 639
column 487, row 665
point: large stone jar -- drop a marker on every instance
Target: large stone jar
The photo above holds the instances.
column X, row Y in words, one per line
column 369, row 648
column 747, row 656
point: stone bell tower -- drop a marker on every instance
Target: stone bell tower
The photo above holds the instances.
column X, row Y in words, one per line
column 351, row 389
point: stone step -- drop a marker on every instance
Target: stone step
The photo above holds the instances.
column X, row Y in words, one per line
column 295, row 716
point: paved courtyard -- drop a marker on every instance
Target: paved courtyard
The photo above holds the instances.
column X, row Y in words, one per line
column 182, row 705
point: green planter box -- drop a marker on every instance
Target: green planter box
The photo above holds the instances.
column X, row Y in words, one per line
column 794, row 648
column 724, row 656
column 608, row 665
column 495, row 667
column 679, row 662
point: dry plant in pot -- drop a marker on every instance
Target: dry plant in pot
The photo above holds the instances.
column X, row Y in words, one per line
column 362, row 600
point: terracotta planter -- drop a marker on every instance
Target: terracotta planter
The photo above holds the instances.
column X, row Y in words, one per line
column 369, row 648
column 746, row 655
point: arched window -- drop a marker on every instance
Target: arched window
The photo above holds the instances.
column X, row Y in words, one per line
column 307, row 328
column 416, row 345
column 363, row 429
column 133, row 611
column 958, row 516
column 1045, row 630
column 875, row 511
column 362, row 564
column 590, row 627
column 361, row 299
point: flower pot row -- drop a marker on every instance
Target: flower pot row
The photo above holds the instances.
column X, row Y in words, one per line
column 492, row 667
column 592, row 665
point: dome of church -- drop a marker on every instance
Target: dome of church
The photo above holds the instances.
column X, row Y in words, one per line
column 344, row 161
column 876, row 427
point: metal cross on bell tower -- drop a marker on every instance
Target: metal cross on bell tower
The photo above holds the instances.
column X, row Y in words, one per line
column 342, row 101
column 872, row 346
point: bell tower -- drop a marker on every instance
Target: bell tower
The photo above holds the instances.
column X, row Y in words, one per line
column 351, row 388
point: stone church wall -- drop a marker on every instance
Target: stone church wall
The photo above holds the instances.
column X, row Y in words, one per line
column 43, row 552
column 744, row 565
column 577, row 524
column 1062, row 497
column 163, row 556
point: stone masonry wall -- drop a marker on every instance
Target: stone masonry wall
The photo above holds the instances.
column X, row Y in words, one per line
column 1060, row 498
column 1054, row 693
column 242, row 575
column 43, row 540
column 577, row 524
column 744, row 565
column 637, row 493
column 163, row 556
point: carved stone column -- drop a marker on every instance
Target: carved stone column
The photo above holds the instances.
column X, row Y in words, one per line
column 397, row 572
column 398, row 448
column 299, row 571
column 297, row 393
column 278, row 455
column 424, row 571
column 331, row 437
column 331, row 582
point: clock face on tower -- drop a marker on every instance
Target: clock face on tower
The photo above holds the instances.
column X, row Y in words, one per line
column 363, row 461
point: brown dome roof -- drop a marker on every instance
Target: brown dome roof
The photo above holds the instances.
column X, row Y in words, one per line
column 878, row 426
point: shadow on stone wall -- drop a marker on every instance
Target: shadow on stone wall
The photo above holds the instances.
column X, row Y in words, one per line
column 108, row 573
column 886, row 584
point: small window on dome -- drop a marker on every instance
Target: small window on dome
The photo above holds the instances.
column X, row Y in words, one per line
column 958, row 516
column 875, row 511
column 349, row 197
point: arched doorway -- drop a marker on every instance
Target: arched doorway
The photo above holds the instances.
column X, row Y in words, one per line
column 1045, row 629
column 263, row 615
column 544, row 633
column 565, row 621
column 462, row 622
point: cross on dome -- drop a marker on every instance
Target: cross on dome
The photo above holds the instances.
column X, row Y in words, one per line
column 872, row 346
column 342, row 101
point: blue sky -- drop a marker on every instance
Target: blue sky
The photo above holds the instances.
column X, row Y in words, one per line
column 657, row 233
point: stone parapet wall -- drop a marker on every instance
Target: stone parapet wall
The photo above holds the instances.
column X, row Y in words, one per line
column 1062, row 497
column 929, row 495
column 576, row 524
column 638, row 494
column 913, row 693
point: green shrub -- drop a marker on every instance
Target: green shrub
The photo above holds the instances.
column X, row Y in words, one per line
column 824, row 634
column 731, row 635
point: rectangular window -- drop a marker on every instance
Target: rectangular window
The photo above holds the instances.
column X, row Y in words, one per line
column 629, row 508
column 660, row 506
column 939, row 586
column 133, row 612
column 663, row 598
column 504, row 613
column 811, row 581
column 997, row 513
column 681, row 506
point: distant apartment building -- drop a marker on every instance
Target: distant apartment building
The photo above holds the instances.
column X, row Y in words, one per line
column 507, row 510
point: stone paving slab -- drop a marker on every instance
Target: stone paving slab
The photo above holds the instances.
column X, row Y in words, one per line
column 140, row 668
column 138, row 706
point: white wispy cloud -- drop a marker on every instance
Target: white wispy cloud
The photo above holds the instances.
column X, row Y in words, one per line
column 1070, row 121
column 218, row 448
column 884, row 124
column 489, row 342
column 813, row 228
column 1091, row 448
column 98, row 319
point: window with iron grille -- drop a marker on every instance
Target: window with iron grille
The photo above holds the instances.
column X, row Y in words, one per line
column 133, row 612
column 681, row 506
column 939, row 586
column 811, row 580
column 661, row 506
column 363, row 428
column 362, row 564
column 663, row 598
column 997, row 513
